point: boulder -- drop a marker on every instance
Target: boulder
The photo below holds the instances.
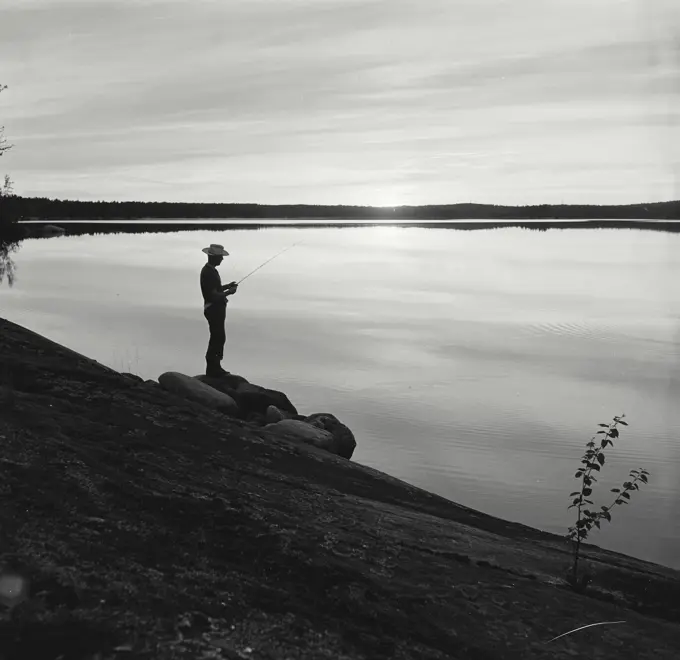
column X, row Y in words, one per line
column 274, row 415
column 252, row 400
column 228, row 381
column 195, row 390
column 226, row 385
column 345, row 444
column 256, row 399
column 307, row 433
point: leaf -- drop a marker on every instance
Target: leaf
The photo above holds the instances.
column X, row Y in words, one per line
column 616, row 490
column 604, row 508
column 574, row 493
column 578, row 474
column 606, row 426
column 607, row 515
column 587, row 491
column 598, row 433
column 643, row 478
column 622, row 422
column 576, row 500
column 597, row 524
column 614, row 433
column 595, row 466
column 588, row 501
column 626, row 495
column 600, row 458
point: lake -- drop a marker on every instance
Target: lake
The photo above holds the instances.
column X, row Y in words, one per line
column 474, row 364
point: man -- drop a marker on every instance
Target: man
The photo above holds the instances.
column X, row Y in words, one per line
column 215, row 298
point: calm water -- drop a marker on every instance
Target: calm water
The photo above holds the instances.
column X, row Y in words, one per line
column 473, row 364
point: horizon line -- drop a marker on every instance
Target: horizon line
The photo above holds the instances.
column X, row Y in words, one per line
column 354, row 206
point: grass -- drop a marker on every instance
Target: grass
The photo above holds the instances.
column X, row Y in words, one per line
column 126, row 363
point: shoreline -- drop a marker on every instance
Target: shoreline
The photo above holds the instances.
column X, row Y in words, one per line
column 138, row 506
column 47, row 229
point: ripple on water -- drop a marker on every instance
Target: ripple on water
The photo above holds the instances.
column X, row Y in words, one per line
column 654, row 336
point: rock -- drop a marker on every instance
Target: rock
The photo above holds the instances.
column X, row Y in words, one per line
column 304, row 432
column 255, row 399
column 274, row 415
column 134, row 377
column 252, row 400
column 344, row 438
column 222, row 383
column 256, row 419
column 226, row 385
column 195, row 390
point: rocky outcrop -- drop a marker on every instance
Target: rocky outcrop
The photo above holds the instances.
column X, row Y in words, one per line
column 273, row 410
column 257, row 399
column 252, row 400
column 305, row 432
column 195, row 390
column 344, row 442
column 227, row 383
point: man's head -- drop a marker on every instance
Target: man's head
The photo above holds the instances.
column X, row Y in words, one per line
column 216, row 254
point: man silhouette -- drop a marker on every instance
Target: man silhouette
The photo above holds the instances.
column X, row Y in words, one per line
column 215, row 298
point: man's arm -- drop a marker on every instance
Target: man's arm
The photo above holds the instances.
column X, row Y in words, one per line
column 231, row 287
column 223, row 292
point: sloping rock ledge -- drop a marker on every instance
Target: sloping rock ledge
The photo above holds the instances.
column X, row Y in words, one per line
column 137, row 524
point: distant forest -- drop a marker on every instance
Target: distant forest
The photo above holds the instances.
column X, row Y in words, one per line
column 41, row 208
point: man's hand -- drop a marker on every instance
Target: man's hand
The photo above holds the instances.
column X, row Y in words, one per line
column 230, row 288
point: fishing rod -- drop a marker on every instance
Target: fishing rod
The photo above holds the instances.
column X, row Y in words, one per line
column 268, row 260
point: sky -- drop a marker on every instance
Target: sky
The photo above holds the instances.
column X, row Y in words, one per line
column 367, row 102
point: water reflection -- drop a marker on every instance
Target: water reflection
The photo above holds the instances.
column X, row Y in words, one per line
column 9, row 244
column 473, row 364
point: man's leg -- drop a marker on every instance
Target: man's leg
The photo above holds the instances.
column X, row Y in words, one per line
column 220, row 333
column 216, row 318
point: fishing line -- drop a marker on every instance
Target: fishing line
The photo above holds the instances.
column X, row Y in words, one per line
column 268, row 260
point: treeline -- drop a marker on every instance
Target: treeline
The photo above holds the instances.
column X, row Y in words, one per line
column 42, row 208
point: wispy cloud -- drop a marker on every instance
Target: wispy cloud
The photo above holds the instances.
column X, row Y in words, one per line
column 342, row 101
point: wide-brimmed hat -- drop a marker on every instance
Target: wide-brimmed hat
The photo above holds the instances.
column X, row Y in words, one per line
column 217, row 250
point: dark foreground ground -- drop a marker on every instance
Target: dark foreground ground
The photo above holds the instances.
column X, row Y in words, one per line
column 150, row 527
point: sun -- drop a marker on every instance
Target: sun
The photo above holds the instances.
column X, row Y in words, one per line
column 387, row 198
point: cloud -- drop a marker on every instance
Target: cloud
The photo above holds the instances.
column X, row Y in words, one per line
column 299, row 95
